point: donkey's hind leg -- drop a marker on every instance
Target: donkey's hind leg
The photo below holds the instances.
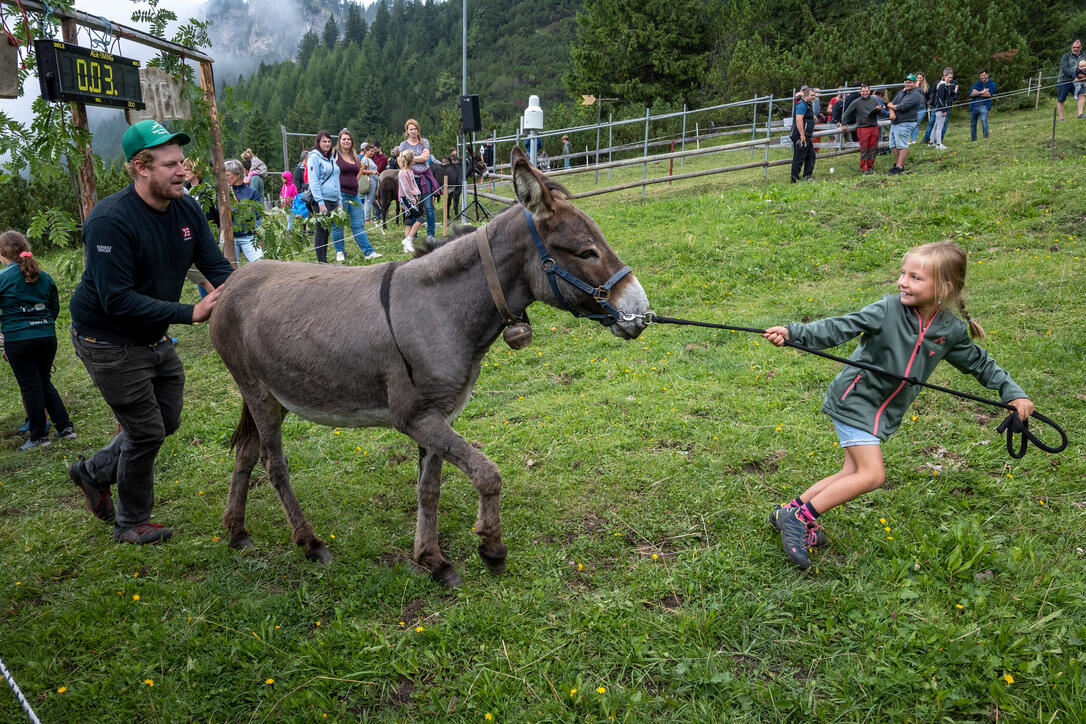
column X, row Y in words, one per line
column 428, row 553
column 246, row 441
column 268, row 418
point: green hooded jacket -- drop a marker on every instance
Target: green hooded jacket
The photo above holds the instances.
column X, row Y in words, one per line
column 893, row 337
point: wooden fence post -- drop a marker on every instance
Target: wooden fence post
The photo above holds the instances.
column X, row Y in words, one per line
column 222, row 190
column 88, row 185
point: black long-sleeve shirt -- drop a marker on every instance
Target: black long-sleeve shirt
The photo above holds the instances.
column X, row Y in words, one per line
column 136, row 260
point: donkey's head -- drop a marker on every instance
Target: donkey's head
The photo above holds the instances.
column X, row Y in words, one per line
column 578, row 270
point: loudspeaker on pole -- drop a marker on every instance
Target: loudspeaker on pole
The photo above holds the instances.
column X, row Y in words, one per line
column 469, row 113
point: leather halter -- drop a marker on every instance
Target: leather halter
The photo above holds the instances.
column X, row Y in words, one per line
column 490, row 270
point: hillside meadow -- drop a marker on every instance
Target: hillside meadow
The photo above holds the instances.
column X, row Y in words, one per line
column 644, row 582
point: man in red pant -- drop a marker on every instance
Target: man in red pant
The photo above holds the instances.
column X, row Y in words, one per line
column 864, row 112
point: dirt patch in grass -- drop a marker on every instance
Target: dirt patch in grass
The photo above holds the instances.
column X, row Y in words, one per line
column 413, row 611
column 768, row 464
column 671, row 603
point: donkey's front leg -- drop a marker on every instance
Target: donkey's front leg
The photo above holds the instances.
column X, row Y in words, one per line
column 435, row 433
column 428, row 553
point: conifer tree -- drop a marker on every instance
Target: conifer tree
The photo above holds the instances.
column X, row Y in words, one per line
column 306, row 46
column 260, row 136
column 354, row 29
column 640, row 50
column 330, row 36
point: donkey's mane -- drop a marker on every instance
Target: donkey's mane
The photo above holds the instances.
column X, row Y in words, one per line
column 459, row 230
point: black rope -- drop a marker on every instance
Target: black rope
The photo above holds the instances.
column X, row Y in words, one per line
column 1012, row 425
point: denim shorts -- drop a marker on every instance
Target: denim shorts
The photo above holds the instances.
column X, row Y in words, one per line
column 1063, row 90
column 1080, row 88
column 850, row 436
column 901, row 134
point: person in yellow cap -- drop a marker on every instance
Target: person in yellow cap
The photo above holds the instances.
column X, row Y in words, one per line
column 138, row 245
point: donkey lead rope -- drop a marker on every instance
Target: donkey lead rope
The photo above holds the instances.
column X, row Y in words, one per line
column 1011, row 425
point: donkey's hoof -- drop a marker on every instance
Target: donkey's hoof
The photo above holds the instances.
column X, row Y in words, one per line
column 494, row 563
column 318, row 555
column 243, row 543
column 446, row 575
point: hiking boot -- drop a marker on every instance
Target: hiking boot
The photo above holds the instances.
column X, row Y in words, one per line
column 895, row 170
column 794, row 537
column 67, row 433
column 30, row 443
column 99, row 499
column 141, row 534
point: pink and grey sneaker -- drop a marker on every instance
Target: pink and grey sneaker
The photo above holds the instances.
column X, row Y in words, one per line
column 794, row 536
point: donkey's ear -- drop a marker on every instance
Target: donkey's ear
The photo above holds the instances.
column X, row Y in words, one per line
column 530, row 186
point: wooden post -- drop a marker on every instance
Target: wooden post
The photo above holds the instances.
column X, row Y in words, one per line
column 1038, row 103
column 88, row 185
column 222, row 190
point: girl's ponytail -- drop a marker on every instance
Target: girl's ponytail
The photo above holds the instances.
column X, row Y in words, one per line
column 15, row 247
column 975, row 330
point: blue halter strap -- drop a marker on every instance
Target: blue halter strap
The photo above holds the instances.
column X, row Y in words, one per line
column 601, row 293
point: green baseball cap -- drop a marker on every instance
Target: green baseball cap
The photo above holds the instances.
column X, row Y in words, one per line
column 911, row 77
column 148, row 134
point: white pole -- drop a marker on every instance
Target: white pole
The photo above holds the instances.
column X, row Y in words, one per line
column 645, row 166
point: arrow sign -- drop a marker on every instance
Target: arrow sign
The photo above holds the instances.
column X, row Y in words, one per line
column 588, row 100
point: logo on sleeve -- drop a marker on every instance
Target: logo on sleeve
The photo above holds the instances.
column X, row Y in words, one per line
column 186, row 233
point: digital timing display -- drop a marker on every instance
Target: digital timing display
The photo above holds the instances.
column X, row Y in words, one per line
column 71, row 73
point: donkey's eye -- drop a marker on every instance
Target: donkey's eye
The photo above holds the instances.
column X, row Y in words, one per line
column 588, row 254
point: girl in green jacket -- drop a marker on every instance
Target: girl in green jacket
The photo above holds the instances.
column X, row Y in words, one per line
column 29, row 304
column 907, row 333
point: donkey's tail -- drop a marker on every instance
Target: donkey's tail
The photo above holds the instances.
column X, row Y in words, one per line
column 246, row 430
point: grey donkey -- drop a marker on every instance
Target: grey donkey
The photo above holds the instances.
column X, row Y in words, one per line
column 400, row 345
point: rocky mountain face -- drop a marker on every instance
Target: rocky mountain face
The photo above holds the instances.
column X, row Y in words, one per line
column 245, row 33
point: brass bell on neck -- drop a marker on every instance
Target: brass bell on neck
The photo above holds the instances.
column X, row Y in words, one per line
column 518, row 336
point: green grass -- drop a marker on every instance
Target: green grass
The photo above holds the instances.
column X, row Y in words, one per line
column 638, row 477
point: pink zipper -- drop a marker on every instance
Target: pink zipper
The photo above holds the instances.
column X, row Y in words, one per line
column 908, row 367
column 849, row 388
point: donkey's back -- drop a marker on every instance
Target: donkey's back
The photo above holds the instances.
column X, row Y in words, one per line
column 312, row 336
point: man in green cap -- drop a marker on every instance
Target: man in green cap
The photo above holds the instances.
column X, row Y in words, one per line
column 138, row 244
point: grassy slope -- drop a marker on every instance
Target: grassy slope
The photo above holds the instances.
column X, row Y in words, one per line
column 637, row 481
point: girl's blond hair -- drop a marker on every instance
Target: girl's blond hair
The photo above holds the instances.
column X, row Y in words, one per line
column 13, row 246
column 405, row 159
column 946, row 262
